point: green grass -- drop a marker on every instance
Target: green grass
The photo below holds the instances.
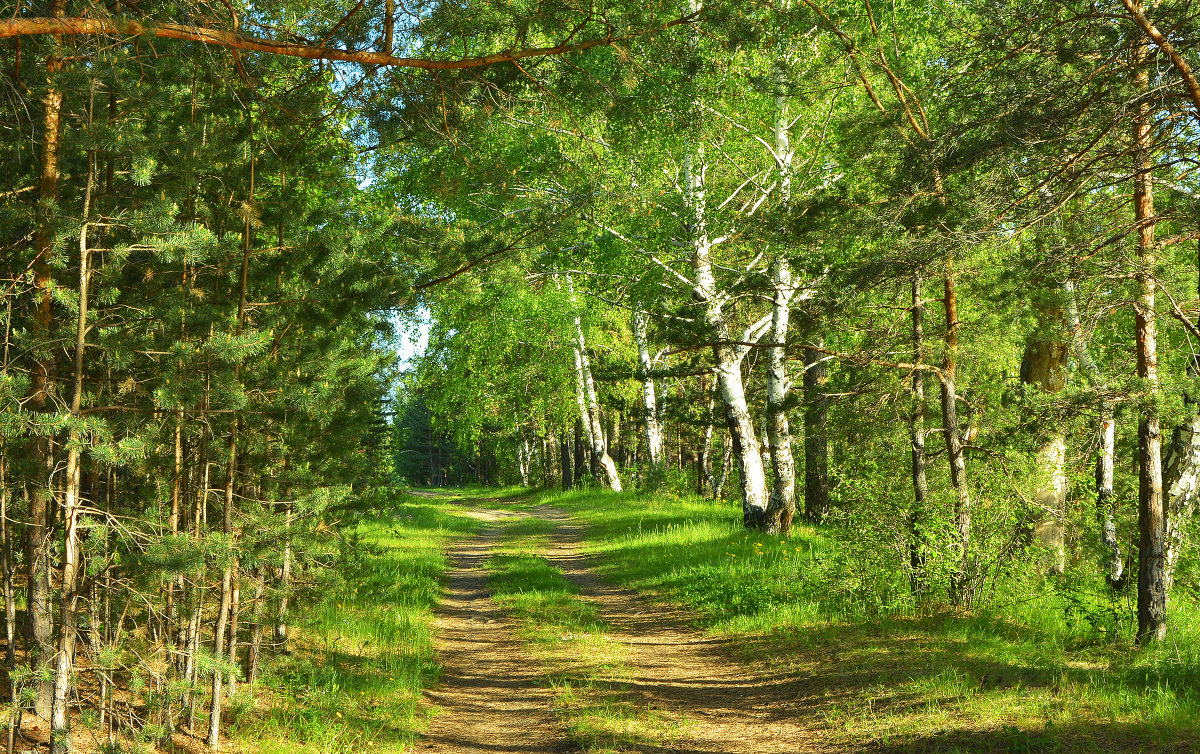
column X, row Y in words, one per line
column 363, row 649
column 1044, row 667
column 567, row 636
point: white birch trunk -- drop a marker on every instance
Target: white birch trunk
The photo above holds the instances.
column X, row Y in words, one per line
column 706, row 465
column 1183, row 478
column 60, row 714
column 1051, row 497
column 591, row 411
column 654, row 438
column 524, row 453
column 728, row 364
column 580, row 395
column 782, row 504
column 588, row 405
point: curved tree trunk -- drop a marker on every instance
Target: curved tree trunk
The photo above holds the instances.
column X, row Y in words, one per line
column 590, row 408
column 68, row 631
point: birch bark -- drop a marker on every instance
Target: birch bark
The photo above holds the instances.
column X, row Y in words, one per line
column 654, row 438
column 590, row 411
column 68, row 634
column 1044, row 365
column 728, row 364
column 782, row 503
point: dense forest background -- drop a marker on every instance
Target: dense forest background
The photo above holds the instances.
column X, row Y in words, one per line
column 922, row 274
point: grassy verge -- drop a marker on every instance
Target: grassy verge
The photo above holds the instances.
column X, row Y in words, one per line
column 363, row 649
column 1030, row 672
column 583, row 666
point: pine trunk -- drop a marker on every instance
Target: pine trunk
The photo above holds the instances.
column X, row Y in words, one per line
column 40, row 533
column 961, row 578
column 1152, row 587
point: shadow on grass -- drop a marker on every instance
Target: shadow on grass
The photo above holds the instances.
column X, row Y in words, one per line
column 1051, row 738
column 998, row 680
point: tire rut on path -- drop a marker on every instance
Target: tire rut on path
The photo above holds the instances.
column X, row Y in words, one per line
column 488, row 695
column 489, row 691
column 730, row 707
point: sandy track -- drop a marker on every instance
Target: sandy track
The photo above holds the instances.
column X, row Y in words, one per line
column 489, row 695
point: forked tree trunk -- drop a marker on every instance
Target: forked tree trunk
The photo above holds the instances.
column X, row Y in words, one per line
column 590, row 407
column 728, row 364
column 1152, row 586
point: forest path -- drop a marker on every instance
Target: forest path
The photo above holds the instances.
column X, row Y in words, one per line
column 489, row 692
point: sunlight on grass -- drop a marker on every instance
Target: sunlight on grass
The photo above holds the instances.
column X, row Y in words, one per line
column 1045, row 666
column 364, row 648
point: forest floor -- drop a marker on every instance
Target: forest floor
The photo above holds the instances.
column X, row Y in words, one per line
column 502, row 621
column 614, row 623
column 522, row 677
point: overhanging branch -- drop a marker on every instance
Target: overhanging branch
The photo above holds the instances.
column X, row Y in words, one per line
column 24, row 27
